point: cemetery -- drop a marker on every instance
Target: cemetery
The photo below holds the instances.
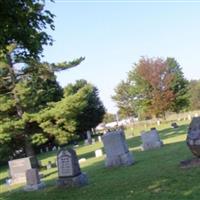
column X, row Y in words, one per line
column 123, row 124
column 154, row 174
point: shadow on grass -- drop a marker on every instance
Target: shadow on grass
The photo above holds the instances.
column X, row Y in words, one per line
column 155, row 175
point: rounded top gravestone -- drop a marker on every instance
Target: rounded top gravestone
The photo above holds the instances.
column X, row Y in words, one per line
column 67, row 162
column 193, row 136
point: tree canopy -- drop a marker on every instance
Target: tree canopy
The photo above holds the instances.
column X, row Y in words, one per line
column 23, row 23
column 153, row 86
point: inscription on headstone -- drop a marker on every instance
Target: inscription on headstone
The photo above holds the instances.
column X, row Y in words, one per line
column 65, row 164
column 69, row 173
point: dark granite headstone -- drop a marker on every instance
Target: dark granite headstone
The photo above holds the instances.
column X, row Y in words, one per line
column 174, row 125
column 19, row 167
column 193, row 136
column 69, row 173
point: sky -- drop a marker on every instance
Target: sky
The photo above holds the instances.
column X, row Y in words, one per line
column 113, row 35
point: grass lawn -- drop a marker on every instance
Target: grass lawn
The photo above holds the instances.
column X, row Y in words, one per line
column 155, row 175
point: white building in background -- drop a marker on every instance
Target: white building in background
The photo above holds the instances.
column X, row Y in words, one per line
column 114, row 124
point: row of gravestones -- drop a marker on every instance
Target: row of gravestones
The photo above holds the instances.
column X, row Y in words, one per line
column 69, row 173
column 117, row 154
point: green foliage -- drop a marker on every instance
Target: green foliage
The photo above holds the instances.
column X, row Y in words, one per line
column 194, row 94
column 179, row 86
column 109, row 117
column 23, row 23
column 79, row 110
column 26, row 89
column 124, row 96
column 153, row 87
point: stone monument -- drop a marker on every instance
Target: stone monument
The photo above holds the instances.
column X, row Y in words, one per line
column 193, row 136
column 19, row 167
column 151, row 140
column 33, row 180
column 116, row 149
column 98, row 153
column 69, row 173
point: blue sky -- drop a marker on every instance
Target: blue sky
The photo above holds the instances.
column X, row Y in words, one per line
column 113, row 36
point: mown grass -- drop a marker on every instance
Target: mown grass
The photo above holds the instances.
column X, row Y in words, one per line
column 155, row 175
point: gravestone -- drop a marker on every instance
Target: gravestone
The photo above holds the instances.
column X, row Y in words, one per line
column 98, row 153
column 89, row 137
column 82, row 160
column 174, row 125
column 116, row 149
column 33, row 180
column 151, row 140
column 158, row 122
column 193, row 136
column 19, row 167
column 54, row 148
column 69, row 173
column 99, row 138
column 49, row 165
column 93, row 141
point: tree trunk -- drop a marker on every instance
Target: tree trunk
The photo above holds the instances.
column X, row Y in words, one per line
column 29, row 151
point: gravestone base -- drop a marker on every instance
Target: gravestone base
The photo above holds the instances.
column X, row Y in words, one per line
column 38, row 186
column 125, row 159
column 76, row 181
column 18, row 180
column 155, row 145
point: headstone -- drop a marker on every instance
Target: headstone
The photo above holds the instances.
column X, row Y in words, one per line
column 19, row 167
column 54, row 148
column 98, row 153
column 33, row 180
column 193, row 136
column 47, row 149
column 86, row 142
column 69, row 173
column 158, row 122
column 99, row 138
column 49, row 165
column 93, row 141
column 189, row 117
column 174, row 125
column 41, row 151
column 116, row 149
column 151, row 140
column 81, row 160
column 89, row 137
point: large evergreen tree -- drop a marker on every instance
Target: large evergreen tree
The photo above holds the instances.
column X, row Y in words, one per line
column 93, row 112
column 79, row 110
column 26, row 88
column 26, row 84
